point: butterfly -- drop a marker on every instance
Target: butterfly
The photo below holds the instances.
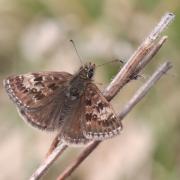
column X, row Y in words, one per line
column 70, row 104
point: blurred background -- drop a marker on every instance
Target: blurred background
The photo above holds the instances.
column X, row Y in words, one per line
column 34, row 36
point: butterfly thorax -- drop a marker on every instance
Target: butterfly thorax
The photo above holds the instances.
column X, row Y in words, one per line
column 79, row 82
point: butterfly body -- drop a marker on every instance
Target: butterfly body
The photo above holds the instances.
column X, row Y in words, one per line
column 69, row 104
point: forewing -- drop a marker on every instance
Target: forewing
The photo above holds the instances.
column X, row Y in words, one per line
column 34, row 90
column 47, row 117
column 100, row 121
column 39, row 97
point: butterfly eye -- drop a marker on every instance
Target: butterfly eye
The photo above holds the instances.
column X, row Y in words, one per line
column 90, row 73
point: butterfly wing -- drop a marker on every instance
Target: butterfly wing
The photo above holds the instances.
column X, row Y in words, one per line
column 100, row 121
column 72, row 132
column 48, row 117
column 33, row 90
column 39, row 97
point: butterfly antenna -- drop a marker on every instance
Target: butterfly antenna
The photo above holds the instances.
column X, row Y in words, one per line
column 116, row 60
column 79, row 57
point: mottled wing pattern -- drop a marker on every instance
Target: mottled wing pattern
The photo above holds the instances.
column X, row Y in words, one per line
column 33, row 90
column 72, row 132
column 100, row 120
column 39, row 97
column 48, row 117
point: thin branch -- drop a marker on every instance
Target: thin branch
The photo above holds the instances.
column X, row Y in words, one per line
column 152, row 53
column 118, row 82
column 129, row 68
column 48, row 161
column 142, row 91
column 67, row 172
column 129, row 106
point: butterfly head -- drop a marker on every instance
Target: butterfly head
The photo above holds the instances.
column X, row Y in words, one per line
column 87, row 71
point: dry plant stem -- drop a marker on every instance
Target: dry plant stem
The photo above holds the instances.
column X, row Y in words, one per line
column 133, row 101
column 152, row 53
column 48, row 161
column 121, row 78
column 118, row 82
column 78, row 160
column 142, row 91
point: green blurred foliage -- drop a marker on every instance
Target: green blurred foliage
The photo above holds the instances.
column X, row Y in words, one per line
column 34, row 7
column 146, row 6
column 175, row 31
column 94, row 8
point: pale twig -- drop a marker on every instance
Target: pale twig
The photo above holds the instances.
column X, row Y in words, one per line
column 118, row 82
column 152, row 53
column 146, row 59
column 67, row 172
column 128, row 107
column 129, row 68
column 48, row 161
column 142, row 91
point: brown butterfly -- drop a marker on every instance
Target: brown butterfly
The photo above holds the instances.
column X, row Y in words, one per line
column 71, row 104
